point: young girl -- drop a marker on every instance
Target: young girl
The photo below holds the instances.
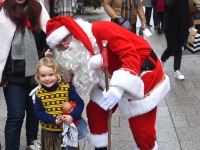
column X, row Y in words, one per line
column 49, row 100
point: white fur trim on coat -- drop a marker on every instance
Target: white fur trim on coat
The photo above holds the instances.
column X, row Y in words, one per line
column 155, row 147
column 7, row 30
column 134, row 108
column 97, row 140
column 57, row 35
column 129, row 82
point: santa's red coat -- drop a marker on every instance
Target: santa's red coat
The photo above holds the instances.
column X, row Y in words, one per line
column 126, row 54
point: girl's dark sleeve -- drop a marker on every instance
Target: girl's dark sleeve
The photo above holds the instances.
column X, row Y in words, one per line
column 41, row 114
column 77, row 112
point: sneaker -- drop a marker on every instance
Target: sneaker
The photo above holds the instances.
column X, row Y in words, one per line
column 178, row 75
column 162, row 62
column 35, row 145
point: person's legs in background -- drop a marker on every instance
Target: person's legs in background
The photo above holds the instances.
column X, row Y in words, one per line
column 177, row 63
column 134, row 27
column 155, row 17
column 32, row 122
column 148, row 11
column 160, row 22
column 15, row 96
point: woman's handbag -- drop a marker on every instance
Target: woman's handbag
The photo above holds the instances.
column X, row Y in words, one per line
column 124, row 22
column 195, row 47
column 192, row 34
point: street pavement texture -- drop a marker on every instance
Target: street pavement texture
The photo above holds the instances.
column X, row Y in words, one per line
column 178, row 119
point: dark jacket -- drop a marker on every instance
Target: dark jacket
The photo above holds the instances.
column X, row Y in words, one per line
column 14, row 71
column 177, row 21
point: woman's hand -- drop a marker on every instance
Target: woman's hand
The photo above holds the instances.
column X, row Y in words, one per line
column 48, row 53
column 5, row 84
column 67, row 118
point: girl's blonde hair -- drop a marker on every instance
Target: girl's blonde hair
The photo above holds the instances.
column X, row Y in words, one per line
column 49, row 62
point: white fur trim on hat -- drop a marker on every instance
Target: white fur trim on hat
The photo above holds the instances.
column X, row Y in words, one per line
column 57, row 35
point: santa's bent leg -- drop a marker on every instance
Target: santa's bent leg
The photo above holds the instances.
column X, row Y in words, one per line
column 98, row 125
column 143, row 130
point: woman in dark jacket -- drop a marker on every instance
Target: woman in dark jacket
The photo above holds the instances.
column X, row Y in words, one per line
column 177, row 20
column 23, row 43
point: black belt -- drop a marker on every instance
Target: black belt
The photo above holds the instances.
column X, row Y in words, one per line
column 150, row 62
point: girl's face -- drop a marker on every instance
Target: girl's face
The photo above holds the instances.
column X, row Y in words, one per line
column 20, row 1
column 47, row 76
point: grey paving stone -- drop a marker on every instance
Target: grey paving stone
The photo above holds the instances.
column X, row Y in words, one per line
column 169, row 146
column 166, row 135
column 188, row 134
column 182, row 110
column 164, row 122
column 193, row 121
column 182, row 101
column 162, row 111
column 190, row 145
column 188, row 85
column 180, row 121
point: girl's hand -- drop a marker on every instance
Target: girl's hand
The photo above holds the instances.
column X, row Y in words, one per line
column 67, row 118
column 48, row 53
column 59, row 121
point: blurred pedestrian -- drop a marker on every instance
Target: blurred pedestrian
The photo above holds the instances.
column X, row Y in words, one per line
column 62, row 7
column 114, row 7
column 177, row 20
column 148, row 9
column 160, row 9
column 155, row 14
column 23, row 43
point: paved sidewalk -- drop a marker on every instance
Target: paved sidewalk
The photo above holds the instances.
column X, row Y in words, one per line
column 178, row 120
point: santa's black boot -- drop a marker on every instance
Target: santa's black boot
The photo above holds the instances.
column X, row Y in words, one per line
column 101, row 148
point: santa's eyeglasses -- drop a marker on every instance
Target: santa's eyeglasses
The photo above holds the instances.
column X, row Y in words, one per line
column 66, row 39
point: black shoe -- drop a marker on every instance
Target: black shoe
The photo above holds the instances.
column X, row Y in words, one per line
column 148, row 25
column 159, row 30
column 102, row 148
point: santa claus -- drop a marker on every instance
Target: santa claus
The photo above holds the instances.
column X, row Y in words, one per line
column 137, row 81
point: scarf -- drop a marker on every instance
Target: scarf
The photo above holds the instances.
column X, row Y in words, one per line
column 24, row 47
column 125, row 8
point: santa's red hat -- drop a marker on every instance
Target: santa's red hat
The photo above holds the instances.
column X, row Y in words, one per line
column 61, row 26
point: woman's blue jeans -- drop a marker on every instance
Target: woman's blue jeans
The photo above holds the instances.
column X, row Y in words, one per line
column 18, row 102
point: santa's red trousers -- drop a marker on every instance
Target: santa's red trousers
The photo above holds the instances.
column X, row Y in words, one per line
column 142, row 126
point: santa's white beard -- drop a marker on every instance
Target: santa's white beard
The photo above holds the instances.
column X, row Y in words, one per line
column 74, row 61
